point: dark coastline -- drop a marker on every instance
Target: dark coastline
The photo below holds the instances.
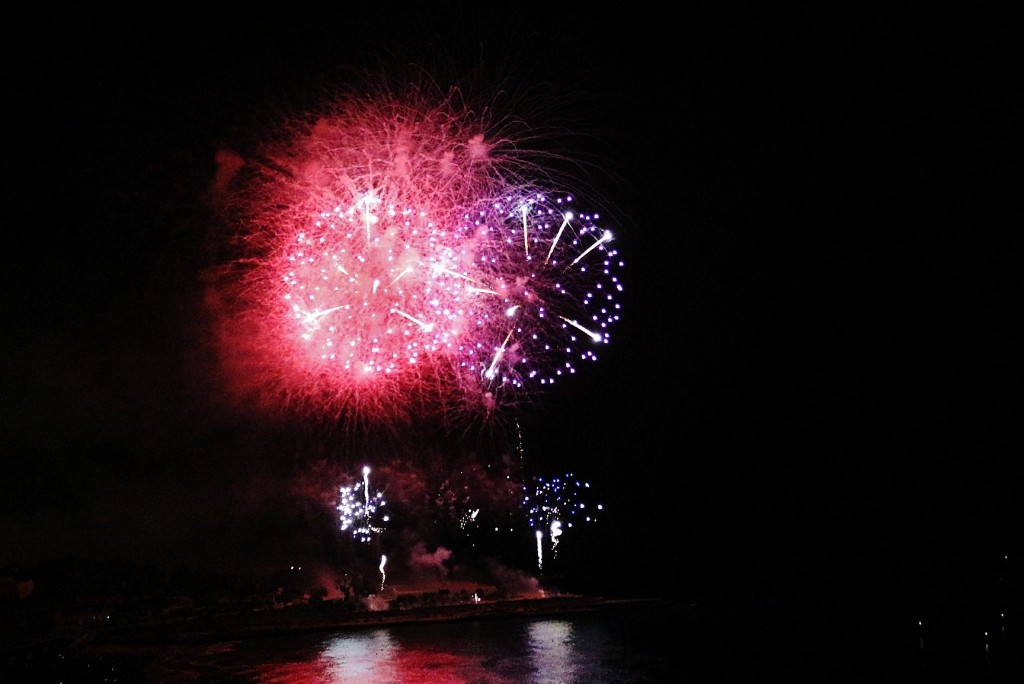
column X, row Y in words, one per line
column 328, row 615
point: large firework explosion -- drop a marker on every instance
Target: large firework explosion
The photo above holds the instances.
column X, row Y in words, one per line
column 403, row 254
column 396, row 257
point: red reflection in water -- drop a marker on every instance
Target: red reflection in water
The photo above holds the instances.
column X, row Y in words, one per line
column 378, row 658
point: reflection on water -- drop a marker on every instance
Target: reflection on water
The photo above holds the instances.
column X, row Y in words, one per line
column 570, row 650
column 381, row 656
column 514, row 651
column 366, row 657
column 539, row 652
column 744, row 643
column 552, row 651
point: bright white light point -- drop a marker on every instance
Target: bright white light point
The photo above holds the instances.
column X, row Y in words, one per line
column 511, row 311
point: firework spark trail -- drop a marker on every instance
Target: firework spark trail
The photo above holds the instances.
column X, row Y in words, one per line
column 540, row 549
column 402, row 254
column 366, row 489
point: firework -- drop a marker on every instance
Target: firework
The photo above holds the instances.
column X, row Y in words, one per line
column 554, row 505
column 478, row 501
column 360, row 512
column 546, row 295
column 401, row 254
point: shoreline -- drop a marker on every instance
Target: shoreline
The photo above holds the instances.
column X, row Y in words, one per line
column 328, row 616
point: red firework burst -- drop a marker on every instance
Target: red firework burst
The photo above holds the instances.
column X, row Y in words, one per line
column 399, row 256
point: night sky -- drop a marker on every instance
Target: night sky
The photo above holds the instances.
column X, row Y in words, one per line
column 816, row 380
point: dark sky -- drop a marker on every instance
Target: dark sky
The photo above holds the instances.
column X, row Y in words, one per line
column 816, row 379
